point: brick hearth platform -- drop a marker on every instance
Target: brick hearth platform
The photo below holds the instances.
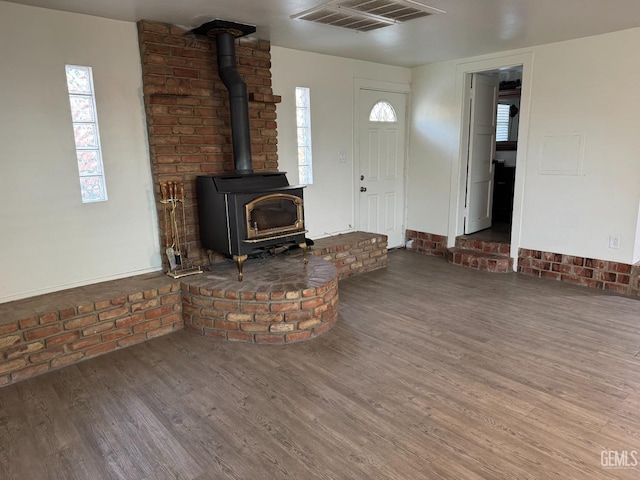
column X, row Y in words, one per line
column 353, row 253
column 281, row 300
column 47, row 332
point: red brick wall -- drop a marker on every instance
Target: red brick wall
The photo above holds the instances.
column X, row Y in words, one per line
column 274, row 317
column 427, row 243
column 353, row 253
column 187, row 112
column 38, row 343
column 589, row 272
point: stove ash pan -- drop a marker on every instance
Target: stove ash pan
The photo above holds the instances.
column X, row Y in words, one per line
column 241, row 214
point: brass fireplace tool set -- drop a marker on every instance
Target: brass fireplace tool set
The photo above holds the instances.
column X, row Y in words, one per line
column 175, row 230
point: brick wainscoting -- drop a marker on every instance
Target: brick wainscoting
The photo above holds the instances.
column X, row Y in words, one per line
column 426, row 243
column 353, row 253
column 590, row 272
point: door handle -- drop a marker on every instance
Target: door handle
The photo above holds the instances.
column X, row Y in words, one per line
column 363, row 189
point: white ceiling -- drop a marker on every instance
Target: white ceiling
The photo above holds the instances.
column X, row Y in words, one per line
column 470, row 27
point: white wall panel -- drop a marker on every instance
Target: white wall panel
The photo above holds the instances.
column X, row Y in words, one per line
column 50, row 239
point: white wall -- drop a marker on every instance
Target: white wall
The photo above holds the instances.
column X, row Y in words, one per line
column 329, row 207
column 50, row 240
column 575, row 87
column 434, row 134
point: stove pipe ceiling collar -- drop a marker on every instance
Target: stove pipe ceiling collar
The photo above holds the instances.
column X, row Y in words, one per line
column 225, row 34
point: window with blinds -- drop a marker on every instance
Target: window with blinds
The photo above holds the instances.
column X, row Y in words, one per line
column 502, row 123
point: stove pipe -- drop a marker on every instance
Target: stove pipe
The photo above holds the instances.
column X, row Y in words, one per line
column 225, row 34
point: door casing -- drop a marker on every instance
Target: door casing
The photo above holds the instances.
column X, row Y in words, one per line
column 459, row 153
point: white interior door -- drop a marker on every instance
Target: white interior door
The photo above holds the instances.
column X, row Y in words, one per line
column 381, row 140
column 482, row 147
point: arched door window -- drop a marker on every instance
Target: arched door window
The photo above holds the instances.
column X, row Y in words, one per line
column 383, row 112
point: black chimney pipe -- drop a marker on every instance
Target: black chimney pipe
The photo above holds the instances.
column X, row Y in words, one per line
column 225, row 34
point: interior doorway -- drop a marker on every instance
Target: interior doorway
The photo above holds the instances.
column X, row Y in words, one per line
column 494, row 109
column 457, row 199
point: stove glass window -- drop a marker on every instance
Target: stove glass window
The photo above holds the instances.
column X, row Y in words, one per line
column 274, row 214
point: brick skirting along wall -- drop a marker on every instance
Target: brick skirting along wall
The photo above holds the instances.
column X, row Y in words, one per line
column 589, row 272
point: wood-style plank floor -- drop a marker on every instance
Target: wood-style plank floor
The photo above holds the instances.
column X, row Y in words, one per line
column 432, row 372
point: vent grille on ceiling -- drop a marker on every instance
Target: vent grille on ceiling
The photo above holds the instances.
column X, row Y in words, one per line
column 343, row 19
column 366, row 15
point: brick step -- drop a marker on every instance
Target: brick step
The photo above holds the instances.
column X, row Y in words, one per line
column 501, row 248
column 484, row 261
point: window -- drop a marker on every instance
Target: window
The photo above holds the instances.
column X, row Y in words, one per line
column 86, row 134
column 303, row 123
column 383, row 112
column 502, row 123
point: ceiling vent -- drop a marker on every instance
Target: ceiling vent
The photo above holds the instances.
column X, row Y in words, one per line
column 366, row 15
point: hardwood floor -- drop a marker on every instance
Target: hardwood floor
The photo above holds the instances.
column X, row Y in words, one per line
column 432, row 372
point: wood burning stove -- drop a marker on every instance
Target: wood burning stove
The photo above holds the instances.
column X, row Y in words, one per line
column 243, row 213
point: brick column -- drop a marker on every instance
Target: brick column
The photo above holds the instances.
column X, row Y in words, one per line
column 187, row 111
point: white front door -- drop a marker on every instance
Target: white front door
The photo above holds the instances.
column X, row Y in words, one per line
column 381, row 138
column 482, row 147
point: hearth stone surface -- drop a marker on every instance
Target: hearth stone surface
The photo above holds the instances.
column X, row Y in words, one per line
column 283, row 272
column 281, row 300
column 80, row 296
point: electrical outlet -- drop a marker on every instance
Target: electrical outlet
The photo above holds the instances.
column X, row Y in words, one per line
column 614, row 241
